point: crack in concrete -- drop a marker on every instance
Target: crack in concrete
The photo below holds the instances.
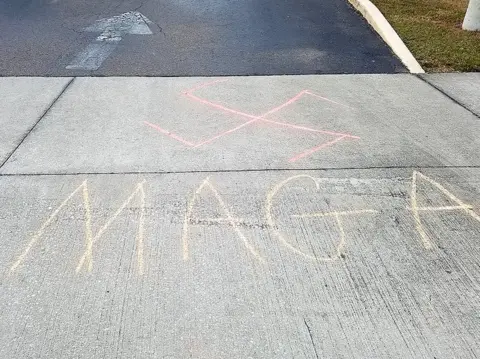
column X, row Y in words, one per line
column 42, row 116
column 311, row 338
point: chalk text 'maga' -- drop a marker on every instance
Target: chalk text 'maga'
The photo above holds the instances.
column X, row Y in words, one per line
column 138, row 196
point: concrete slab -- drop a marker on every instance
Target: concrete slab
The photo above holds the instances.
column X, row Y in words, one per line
column 22, row 102
column 286, row 264
column 196, row 124
column 463, row 87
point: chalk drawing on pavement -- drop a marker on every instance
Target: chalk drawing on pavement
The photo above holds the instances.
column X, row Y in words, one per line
column 251, row 119
column 461, row 206
column 90, row 239
column 337, row 215
column 269, row 220
column 229, row 218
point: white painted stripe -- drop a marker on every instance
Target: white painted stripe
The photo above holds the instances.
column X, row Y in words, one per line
column 112, row 31
column 93, row 56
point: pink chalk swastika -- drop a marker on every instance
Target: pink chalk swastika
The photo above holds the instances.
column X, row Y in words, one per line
column 251, row 119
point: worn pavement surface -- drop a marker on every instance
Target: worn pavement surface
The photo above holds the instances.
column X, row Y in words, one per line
column 269, row 217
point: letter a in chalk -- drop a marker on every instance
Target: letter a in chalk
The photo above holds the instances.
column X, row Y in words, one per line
column 460, row 206
column 233, row 222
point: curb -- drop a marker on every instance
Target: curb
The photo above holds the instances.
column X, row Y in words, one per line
column 376, row 19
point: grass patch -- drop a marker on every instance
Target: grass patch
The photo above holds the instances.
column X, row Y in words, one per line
column 432, row 30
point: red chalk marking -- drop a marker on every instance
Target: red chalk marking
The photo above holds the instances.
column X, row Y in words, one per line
column 315, row 149
column 189, row 94
column 170, row 134
column 227, row 132
column 220, row 107
column 289, row 102
column 286, row 124
column 252, row 119
column 325, row 99
column 206, row 84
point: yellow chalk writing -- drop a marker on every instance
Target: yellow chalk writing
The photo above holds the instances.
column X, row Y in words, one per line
column 229, row 218
column 90, row 239
column 337, row 215
column 468, row 209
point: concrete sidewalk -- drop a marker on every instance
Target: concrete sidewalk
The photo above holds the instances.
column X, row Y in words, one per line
column 266, row 217
column 104, row 125
column 463, row 88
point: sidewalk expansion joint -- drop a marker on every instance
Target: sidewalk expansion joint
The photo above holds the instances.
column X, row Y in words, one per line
column 235, row 171
column 64, row 89
column 419, row 76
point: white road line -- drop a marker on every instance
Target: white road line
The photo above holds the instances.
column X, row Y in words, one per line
column 92, row 57
column 112, row 31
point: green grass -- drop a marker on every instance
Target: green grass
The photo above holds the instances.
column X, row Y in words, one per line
column 432, row 31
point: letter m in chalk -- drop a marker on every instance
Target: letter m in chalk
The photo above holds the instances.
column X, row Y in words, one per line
column 86, row 260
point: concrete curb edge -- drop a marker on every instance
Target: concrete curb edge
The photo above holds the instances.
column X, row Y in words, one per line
column 376, row 19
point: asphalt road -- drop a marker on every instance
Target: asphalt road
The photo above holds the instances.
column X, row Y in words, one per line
column 188, row 38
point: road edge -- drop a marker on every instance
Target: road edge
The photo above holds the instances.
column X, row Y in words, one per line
column 380, row 24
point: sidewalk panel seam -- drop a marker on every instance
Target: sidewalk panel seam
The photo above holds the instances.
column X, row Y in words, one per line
column 439, row 89
column 370, row 168
column 29, row 131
